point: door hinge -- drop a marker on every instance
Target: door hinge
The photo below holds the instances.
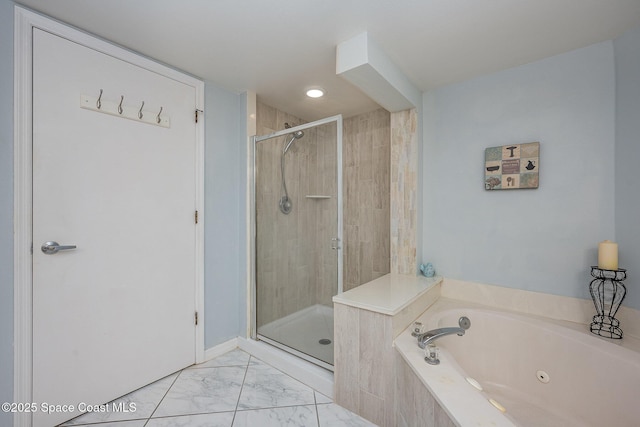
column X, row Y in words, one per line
column 196, row 217
column 196, row 318
column 196, row 115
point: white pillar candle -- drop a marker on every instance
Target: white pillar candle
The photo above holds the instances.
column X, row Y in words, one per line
column 608, row 255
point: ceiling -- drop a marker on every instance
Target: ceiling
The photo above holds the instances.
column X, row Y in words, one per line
column 278, row 48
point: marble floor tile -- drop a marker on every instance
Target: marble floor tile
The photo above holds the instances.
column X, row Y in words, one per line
column 145, row 399
column 292, row 416
column 205, row 390
column 133, row 423
column 233, row 390
column 332, row 415
column 235, row 357
column 321, row 398
column 266, row 387
column 220, row 419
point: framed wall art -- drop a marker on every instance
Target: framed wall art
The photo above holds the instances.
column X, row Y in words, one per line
column 512, row 167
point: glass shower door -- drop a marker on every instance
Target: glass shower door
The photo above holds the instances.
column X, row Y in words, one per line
column 298, row 231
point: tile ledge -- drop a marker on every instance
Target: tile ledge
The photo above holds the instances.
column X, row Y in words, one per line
column 389, row 294
column 554, row 307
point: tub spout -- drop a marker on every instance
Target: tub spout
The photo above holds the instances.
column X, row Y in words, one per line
column 430, row 336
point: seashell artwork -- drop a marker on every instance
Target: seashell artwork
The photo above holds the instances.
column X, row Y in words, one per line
column 510, row 167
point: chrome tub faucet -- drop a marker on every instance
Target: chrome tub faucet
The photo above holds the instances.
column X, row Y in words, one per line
column 426, row 339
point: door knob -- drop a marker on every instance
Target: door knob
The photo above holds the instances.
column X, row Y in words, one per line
column 51, row 248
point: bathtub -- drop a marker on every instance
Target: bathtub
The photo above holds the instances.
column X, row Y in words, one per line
column 532, row 371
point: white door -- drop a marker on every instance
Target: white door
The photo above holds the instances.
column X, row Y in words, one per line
column 116, row 312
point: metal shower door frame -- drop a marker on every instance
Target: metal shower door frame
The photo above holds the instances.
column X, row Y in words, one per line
column 252, row 179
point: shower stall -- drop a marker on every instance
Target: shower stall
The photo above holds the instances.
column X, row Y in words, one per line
column 297, row 237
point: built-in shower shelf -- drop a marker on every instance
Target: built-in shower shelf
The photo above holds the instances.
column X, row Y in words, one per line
column 317, row 196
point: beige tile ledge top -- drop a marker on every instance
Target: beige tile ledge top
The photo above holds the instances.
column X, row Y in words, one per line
column 388, row 294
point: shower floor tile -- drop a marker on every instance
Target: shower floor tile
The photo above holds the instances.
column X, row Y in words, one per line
column 233, row 390
column 303, row 331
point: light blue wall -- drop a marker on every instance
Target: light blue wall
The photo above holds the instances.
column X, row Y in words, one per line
column 541, row 240
column 627, row 159
column 225, row 252
column 6, row 206
column 243, row 298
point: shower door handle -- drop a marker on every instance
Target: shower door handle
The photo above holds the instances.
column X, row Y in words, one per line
column 334, row 243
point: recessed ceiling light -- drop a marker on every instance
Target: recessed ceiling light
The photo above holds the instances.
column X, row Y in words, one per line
column 315, row 92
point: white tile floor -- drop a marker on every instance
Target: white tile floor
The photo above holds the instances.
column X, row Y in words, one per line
column 234, row 389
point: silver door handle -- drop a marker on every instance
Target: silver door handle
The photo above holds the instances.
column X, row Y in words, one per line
column 51, row 248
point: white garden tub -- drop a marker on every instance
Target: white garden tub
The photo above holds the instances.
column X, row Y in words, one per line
column 542, row 372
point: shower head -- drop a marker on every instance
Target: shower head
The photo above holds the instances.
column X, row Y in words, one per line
column 295, row 135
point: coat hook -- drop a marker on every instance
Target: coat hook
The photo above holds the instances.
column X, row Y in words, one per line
column 140, row 112
column 99, row 102
column 158, row 119
column 120, row 105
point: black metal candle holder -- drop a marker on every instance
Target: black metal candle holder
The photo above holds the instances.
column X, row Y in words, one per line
column 608, row 292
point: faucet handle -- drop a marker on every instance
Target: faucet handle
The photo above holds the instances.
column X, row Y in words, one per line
column 418, row 329
column 431, row 354
column 464, row 322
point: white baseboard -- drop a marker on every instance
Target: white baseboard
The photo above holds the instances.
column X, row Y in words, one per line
column 307, row 373
column 220, row 349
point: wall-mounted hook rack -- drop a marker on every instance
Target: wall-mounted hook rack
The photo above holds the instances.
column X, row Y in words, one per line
column 135, row 113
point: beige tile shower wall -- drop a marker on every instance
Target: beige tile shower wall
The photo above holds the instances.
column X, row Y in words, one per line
column 294, row 256
column 366, row 167
column 282, row 258
column 404, row 173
